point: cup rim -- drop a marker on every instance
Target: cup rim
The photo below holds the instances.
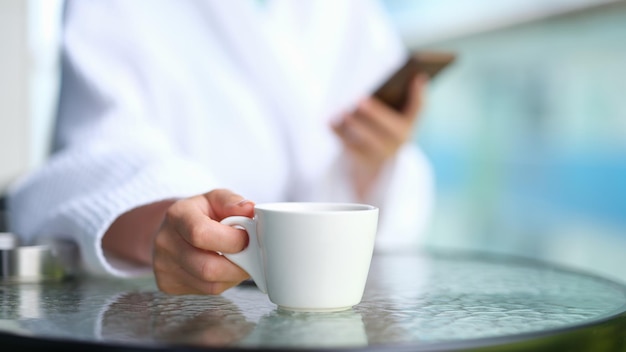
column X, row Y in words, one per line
column 315, row 207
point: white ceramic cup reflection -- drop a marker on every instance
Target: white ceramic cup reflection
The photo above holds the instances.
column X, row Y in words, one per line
column 309, row 256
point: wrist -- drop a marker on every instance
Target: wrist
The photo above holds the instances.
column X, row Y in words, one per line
column 130, row 237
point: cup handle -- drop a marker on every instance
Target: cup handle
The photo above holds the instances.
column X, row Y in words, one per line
column 250, row 258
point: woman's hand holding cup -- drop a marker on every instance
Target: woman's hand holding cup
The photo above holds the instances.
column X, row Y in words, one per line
column 187, row 248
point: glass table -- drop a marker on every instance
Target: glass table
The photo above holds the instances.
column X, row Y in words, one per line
column 419, row 302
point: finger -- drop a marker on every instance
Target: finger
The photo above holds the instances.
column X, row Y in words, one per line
column 211, row 266
column 180, row 268
column 361, row 138
column 224, row 203
column 199, row 230
column 384, row 121
column 417, row 91
column 178, row 282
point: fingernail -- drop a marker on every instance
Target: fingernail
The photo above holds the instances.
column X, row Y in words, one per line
column 244, row 202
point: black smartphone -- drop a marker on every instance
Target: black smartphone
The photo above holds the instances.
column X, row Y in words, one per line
column 394, row 91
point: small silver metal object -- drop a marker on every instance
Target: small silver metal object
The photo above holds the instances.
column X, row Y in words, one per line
column 55, row 260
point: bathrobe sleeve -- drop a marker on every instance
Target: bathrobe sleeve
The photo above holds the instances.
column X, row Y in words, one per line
column 110, row 154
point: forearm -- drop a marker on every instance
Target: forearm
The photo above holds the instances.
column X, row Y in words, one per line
column 131, row 235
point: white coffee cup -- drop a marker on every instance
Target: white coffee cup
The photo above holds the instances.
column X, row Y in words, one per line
column 309, row 256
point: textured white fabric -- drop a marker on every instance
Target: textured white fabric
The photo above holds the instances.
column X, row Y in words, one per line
column 166, row 99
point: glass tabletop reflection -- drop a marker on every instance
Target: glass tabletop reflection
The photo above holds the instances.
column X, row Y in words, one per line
column 421, row 301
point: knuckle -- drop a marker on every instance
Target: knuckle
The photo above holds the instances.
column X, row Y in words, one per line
column 209, row 270
column 160, row 241
column 170, row 283
column 218, row 193
column 162, row 286
column 159, row 267
column 165, row 285
column 215, row 288
column 196, row 235
column 173, row 213
column 174, row 209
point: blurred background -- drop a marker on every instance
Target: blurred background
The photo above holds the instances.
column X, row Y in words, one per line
column 526, row 131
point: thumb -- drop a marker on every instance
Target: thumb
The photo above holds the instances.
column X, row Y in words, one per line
column 417, row 91
column 225, row 203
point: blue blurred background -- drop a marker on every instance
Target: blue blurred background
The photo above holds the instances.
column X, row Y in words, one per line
column 527, row 130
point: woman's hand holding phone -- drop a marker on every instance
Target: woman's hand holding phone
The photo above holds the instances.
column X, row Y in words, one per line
column 374, row 132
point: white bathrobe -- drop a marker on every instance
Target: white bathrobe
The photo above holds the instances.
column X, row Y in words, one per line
column 167, row 99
